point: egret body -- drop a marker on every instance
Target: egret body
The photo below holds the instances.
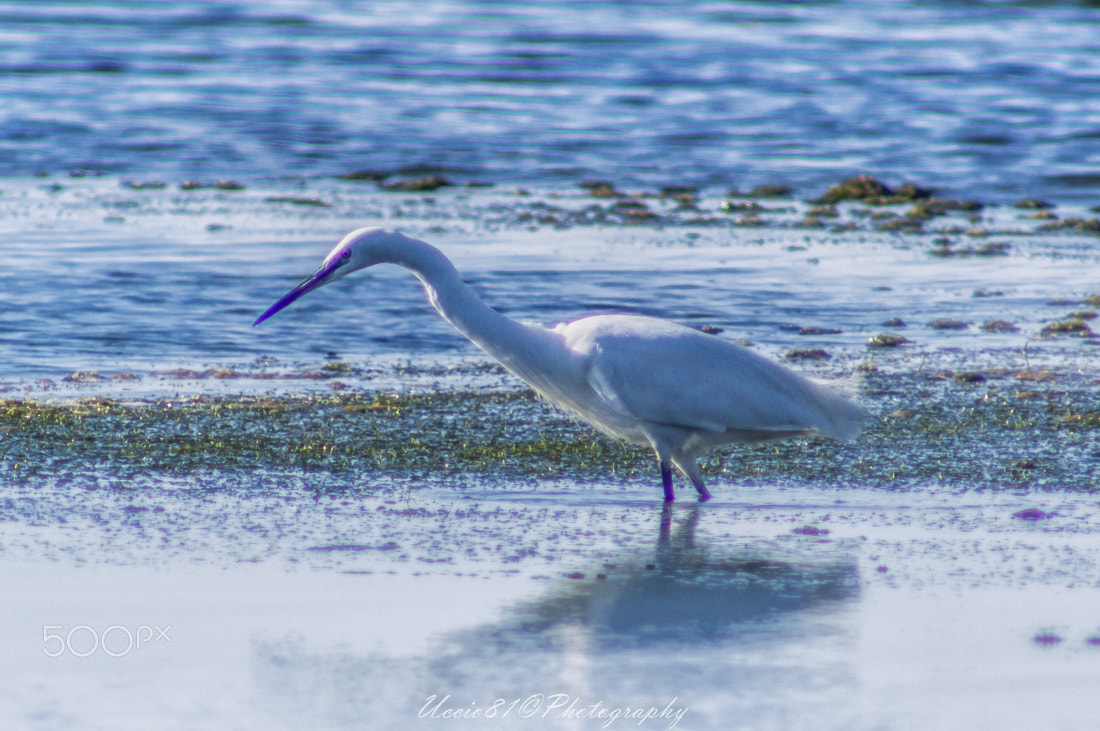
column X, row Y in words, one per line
column 642, row 379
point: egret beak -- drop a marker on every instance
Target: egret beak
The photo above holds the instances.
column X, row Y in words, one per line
column 310, row 283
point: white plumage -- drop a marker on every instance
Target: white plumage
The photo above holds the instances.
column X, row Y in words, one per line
column 642, row 379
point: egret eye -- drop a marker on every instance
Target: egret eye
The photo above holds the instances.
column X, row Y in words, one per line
column 346, row 255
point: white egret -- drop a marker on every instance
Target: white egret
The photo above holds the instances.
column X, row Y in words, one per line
column 642, row 379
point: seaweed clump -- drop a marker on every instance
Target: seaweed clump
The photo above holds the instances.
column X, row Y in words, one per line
column 418, row 185
column 1075, row 327
column 871, row 191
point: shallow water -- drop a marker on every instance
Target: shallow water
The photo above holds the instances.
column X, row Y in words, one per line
column 915, row 610
column 157, row 289
column 296, row 595
column 356, row 562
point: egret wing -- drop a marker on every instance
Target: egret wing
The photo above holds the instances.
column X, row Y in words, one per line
column 664, row 373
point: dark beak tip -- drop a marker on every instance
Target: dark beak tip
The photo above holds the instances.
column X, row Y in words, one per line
column 267, row 313
column 309, row 284
column 274, row 309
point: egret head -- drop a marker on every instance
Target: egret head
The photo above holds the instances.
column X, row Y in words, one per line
column 358, row 250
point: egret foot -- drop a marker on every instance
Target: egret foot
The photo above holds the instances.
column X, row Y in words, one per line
column 666, row 481
column 704, row 493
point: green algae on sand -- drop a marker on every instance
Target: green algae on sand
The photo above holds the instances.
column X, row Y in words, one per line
column 963, row 430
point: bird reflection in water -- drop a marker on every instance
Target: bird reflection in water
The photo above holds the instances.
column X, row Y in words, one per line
column 686, row 592
column 731, row 633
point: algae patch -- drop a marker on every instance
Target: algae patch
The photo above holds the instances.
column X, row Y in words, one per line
column 966, row 430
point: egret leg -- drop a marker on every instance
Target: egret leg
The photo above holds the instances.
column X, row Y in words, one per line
column 704, row 493
column 666, row 481
column 690, row 467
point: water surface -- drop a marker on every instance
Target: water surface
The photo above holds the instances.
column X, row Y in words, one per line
column 988, row 100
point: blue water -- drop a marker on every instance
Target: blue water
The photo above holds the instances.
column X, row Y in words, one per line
column 156, row 288
column 982, row 99
column 994, row 101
